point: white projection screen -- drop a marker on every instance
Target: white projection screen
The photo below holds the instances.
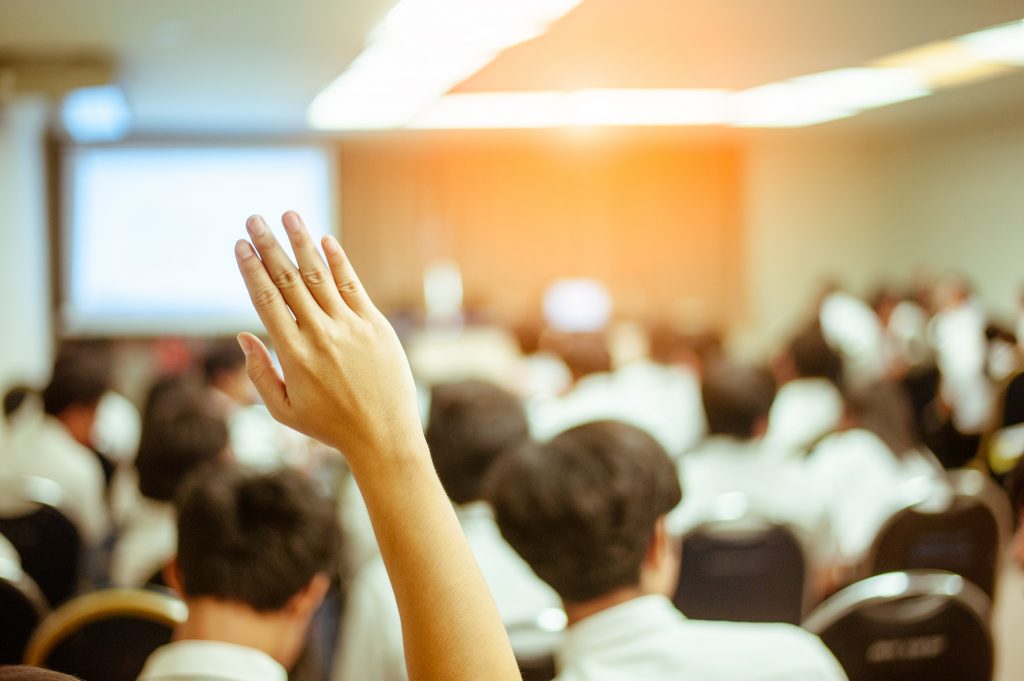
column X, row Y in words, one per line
column 149, row 232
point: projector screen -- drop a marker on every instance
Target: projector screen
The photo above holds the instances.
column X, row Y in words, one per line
column 149, row 232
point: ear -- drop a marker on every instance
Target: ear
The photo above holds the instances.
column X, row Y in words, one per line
column 660, row 571
column 761, row 427
column 172, row 576
column 308, row 599
column 660, row 547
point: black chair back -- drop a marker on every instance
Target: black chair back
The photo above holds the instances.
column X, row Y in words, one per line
column 962, row 536
column 47, row 540
column 22, row 608
column 742, row 571
column 106, row 635
column 908, row 626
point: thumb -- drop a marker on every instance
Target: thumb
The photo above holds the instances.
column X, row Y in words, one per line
column 260, row 368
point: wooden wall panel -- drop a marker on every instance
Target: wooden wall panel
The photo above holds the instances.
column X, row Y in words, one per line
column 658, row 221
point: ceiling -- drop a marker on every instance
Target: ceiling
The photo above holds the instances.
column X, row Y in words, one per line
column 252, row 66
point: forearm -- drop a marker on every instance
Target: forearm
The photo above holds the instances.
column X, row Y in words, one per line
column 451, row 627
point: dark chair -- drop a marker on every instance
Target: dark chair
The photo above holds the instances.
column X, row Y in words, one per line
column 745, row 570
column 534, row 643
column 22, row 608
column 106, row 635
column 908, row 626
column 47, row 540
column 960, row 534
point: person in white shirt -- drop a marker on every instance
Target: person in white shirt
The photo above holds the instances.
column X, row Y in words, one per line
column 254, row 554
column 54, row 443
column 181, row 433
column 470, row 424
column 587, row 511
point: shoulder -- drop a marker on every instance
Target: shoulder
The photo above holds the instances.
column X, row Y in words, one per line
column 778, row 648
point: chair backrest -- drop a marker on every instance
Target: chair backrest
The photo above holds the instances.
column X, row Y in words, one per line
column 22, row 608
column 106, row 635
column 745, row 570
column 46, row 538
column 908, row 626
column 962, row 535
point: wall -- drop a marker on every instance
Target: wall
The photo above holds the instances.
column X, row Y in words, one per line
column 26, row 337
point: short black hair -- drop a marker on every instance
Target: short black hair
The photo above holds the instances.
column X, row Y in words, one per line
column 471, row 423
column 1014, row 484
column 23, row 673
column 582, row 508
column 80, row 377
column 813, row 357
column 223, row 355
column 181, row 432
column 251, row 537
column 736, row 397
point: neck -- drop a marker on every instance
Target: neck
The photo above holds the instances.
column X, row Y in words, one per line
column 579, row 611
column 273, row 633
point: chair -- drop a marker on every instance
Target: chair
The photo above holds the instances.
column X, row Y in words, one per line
column 961, row 534
column 47, row 540
column 908, row 626
column 22, row 608
column 744, row 570
column 106, row 635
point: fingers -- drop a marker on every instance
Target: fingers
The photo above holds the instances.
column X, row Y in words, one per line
column 282, row 272
column 260, row 368
column 265, row 296
column 314, row 272
column 345, row 278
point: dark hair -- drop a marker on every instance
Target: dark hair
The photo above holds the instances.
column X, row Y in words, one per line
column 581, row 509
column 21, row 673
column 735, row 397
column 180, row 433
column 222, row 356
column 15, row 397
column 253, row 538
column 813, row 357
column 584, row 353
column 470, row 424
column 1015, row 487
column 79, row 378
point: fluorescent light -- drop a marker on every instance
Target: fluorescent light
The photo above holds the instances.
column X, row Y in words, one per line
column 1000, row 44
column 96, row 114
column 781, row 105
column 423, row 49
column 944, row 64
column 580, row 108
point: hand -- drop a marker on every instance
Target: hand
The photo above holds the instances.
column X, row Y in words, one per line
column 346, row 379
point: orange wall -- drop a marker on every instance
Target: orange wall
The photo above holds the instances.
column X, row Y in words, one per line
column 659, row 221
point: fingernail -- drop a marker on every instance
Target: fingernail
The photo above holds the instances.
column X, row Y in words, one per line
column 256, row 226
column 244, row 343
column 331, row 245
column 292, row 221
column 243, row 250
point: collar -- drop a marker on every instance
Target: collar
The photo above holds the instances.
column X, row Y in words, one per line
column 211, row 660
column 635, row 619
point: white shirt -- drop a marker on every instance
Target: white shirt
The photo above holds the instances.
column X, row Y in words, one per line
column 804, row 410
column 210, row 661
column 8, row 552
column 148, row 536
column 39, row 445
column 647, row 639
column 370, row 640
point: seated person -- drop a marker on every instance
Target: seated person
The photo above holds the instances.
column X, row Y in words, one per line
column 470, row 424
column 180, row 434
column 255, row 552
column 587, row 511
column 56, row 443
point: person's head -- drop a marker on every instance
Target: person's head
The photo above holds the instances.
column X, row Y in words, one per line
column 583, row 353
column 813, row 357
column 586, row 510
column 181, row 432
column 80, row 378
column 737, row 399
column 224, row 369
column 258, row 545
column 470, row 424
column 22, row 673
column 1015, row 488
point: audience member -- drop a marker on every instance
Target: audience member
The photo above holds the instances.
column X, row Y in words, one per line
column 470, row 424
column 181, row 433
column 588, row 513
column 20, row 673
column 255, row 551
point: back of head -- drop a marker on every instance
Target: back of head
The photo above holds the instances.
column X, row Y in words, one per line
column 222, row 357
column 253, row 538
column 584, row 353
column 470, row 424
column 813, row 357
column 181, row 432
column 736, row 399
column 582, row 509
column 79, row 379
column 20, row 673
